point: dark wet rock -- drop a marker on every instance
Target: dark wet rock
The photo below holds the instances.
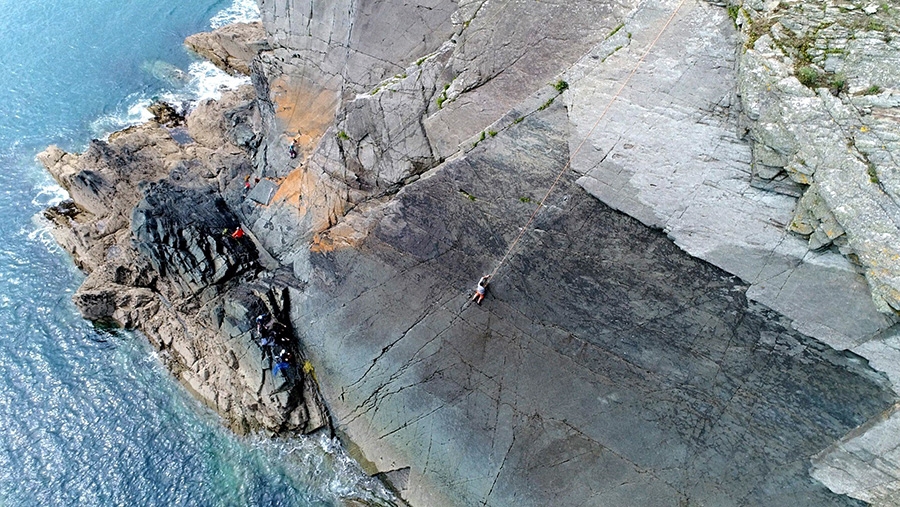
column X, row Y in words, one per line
column 187, row 235
column 165, row 114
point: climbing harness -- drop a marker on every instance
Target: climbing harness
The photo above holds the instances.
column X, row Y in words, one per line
column 559, row 176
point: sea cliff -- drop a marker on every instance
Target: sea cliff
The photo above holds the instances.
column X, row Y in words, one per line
column 689, row 318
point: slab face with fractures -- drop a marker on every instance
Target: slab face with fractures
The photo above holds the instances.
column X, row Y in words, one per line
column 606, row 366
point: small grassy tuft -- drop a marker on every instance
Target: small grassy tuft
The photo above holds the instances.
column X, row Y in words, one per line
column 616, row 30
column 873, row 174
column 808, row 76
column 733, row 11
column 467, row 195
column 872, row 90
column 343, row 136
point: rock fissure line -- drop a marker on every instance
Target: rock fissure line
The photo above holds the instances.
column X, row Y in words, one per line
column 654, row 317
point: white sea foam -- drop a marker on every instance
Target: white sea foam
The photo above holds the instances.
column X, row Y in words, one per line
column 323, row 464
column 132, row 111
column 49, row 194
column 208, row 81
column 43, row 234
column 202, row 81
column 241, row 11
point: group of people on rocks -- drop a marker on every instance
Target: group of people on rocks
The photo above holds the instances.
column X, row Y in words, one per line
column 273, row 344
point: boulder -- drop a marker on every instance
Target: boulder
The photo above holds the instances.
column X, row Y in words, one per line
column 232, row 47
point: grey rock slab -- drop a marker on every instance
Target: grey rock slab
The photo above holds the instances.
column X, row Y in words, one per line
column 605, row 364
column 668, row 153
column 505, row 52
column 359, row 42
column 262, row 192
column 864, row 465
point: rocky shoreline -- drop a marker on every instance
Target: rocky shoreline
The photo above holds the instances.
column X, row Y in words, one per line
column 607, row 365
column 152, row 227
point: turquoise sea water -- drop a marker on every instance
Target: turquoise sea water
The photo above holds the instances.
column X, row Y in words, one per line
column 88, row 418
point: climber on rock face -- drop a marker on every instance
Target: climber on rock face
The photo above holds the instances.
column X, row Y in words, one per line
column 293, row 149
column 282, row 363
column 480, row 289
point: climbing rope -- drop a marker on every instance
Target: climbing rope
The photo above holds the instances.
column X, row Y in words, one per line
column 615, row 96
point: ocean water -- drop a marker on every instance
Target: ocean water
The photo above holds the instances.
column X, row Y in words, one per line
column 87, row 417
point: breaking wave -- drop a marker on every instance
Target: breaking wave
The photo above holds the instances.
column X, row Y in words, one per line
column 241, row 11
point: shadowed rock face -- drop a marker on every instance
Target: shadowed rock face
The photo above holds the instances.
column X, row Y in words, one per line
column 606, row 366
column 186, row 236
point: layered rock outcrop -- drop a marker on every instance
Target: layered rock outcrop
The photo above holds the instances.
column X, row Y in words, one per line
column 607, row 365
column 232, row 47
column 152, row 227
column 819, row 90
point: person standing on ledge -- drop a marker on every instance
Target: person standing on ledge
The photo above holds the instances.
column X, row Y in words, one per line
column 481, row 289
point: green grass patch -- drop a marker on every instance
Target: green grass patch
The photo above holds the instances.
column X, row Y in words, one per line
column 342, row 136
column 813, row 78
column 480, row 138
column 616, row 30
column 525, row 200
column 561, row 86
column 875, row 26
column 733, row 11
column 492, row 133
column 442, row 97
column 808, row 76
column 873, row 174
column 872, row 90
column 547, row 104
column 837, row 83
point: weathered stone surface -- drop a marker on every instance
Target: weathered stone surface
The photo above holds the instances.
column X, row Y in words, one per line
column 349, row 46
column 232, row 47
column 603, row 368
column 817, row 85
column 149, row 226
column 692, row 144
column 864, row 464
column 607, row 366
column 688, row 174
column 186, row 236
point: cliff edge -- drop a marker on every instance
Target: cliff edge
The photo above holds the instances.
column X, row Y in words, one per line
column 687, row 319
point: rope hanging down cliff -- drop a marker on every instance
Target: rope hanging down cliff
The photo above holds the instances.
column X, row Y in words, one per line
column 568, row 164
